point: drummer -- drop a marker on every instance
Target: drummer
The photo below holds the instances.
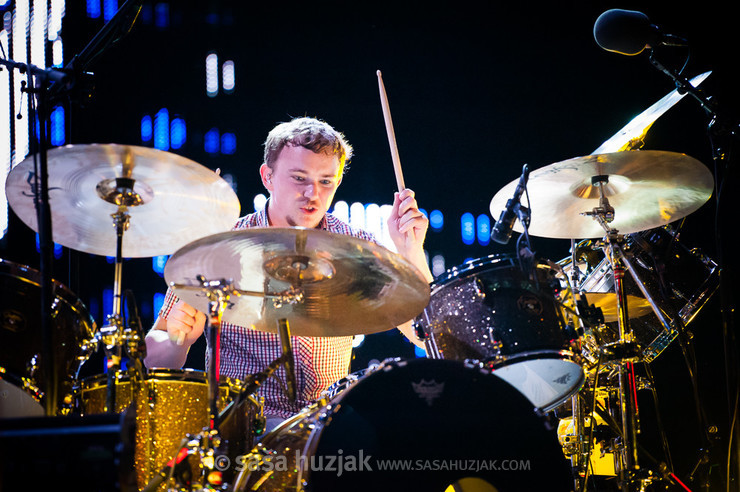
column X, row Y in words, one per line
column 304, row 161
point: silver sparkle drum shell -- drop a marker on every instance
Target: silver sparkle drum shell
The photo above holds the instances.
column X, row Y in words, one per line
column 489, row 309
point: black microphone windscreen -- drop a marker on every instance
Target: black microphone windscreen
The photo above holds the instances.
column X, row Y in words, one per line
column 624, row 31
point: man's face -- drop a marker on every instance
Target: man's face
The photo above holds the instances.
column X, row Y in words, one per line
column 301, row 185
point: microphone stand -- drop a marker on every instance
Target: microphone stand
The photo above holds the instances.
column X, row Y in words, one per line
column 684, row 86
column 722, row 131
column 38, row 84
column 49, row 85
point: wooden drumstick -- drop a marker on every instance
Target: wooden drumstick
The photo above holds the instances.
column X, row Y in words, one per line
column 391, row 134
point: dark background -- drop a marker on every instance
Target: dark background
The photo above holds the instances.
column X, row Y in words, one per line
column 476, row 89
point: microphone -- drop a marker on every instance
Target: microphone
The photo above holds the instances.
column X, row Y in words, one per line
column 290, row 382
column 501, row 232
column 629, row 32
column 288, row 359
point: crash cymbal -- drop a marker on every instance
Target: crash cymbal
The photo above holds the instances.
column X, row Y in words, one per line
column 171, row 200
column 647, row 189
column 637, row 307
column 631, row 137
column 342, row 285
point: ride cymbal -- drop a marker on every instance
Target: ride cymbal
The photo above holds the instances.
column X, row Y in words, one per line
column 171, row 200
column 646, row 188
column 324, row 284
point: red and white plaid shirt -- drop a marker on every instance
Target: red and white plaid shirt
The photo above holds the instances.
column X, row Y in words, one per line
column 319, row 361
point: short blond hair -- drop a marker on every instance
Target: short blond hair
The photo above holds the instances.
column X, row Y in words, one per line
column 310, row 133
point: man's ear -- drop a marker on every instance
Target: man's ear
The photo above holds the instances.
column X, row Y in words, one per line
column 266, row 175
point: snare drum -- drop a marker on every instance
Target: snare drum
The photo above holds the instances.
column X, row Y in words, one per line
column 489, row 310
column 170, row 404
column 21, row 367
column 420, row 424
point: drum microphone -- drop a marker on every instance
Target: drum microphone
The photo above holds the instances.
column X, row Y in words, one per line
column 290, row 382
column 503, row 227
column 288, row 359
column 629, row 32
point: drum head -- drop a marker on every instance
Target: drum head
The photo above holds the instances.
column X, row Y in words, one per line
column 426, row 424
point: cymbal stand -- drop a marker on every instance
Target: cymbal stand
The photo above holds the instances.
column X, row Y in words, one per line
column 120, row 192
column 580, row 449
column 624, row 352
column 218, row 293
column 206, row 443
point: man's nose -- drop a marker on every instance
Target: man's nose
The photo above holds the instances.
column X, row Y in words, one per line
column 310, row 190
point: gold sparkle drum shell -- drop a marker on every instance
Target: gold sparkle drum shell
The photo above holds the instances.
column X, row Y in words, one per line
column 169, row 404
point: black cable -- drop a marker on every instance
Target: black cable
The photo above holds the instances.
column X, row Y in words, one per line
column 661, row 428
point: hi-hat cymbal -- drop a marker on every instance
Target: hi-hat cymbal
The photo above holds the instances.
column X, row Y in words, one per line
column 647, row 189
column 632, row 135
column 170, row 199
column 345, row 285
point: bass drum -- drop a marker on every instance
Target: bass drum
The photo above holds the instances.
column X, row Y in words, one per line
column 412, row 425
column 21, row 368
column 489, row 310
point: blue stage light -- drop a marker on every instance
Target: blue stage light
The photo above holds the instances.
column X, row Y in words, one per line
column 436, row 220
column 147, row 130
column 483, row 225
column 211, row 141
column 467, row 228
column 178, row 133
column 162, row 130
column 57, row 126
column 228, row 144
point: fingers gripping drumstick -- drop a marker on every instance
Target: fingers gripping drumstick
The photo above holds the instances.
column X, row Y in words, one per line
column 391, row 134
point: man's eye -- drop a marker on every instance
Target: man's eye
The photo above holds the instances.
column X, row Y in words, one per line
column 298, row 178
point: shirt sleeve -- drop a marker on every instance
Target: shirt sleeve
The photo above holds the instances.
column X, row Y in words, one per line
column 169, row 300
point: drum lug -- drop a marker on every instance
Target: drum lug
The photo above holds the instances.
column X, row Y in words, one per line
column 67, row 404
column 30, row 387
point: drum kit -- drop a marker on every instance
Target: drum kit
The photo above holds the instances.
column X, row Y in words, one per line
column 515, row 337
